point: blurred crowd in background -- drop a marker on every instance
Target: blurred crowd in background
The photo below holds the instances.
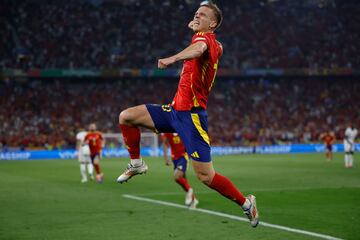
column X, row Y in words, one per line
column 104, row 34
column 49, row 113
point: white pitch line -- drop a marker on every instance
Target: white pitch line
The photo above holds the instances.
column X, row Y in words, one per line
column 287, row 229
column 253, row 190
column 169, row 193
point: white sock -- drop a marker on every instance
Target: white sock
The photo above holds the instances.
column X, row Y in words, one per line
column 90, row 169
column 246, row 205
column 346, row 160
column 136, row 162
column 83, row 170
column 351, row 160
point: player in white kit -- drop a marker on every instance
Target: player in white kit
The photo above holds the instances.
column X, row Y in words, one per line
column 86, row 167
column 349, row 145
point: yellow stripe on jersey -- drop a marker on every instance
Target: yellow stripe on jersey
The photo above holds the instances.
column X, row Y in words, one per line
column 215, row 68
column 195, row 101
column 203, row 70
column 196, row 120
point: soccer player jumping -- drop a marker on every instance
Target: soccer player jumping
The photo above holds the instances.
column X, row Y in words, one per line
column 187, row 113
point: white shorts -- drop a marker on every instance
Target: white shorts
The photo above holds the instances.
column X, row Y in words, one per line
column 348, row 147
column 84, row 154
column 85, row 150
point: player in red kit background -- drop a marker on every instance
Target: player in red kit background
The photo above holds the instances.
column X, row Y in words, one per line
column 187, row 114
column 180, row 160
column 328, row 138
column 96, row 142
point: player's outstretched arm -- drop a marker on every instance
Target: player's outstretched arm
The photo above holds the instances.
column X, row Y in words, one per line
column 193, row 51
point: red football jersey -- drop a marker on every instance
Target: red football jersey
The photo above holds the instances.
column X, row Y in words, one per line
column 95, row 140
column 198, row 75
column 176, row 145
column 328, row 139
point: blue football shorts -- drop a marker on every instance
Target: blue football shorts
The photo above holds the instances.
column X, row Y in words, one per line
column 192, row 127
column 181, row 163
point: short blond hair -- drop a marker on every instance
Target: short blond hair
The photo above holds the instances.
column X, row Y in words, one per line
column 217, row 12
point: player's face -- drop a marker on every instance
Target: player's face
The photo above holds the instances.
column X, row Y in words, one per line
column 92, row 127
column 204, row 20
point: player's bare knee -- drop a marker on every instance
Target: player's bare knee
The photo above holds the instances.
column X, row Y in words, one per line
column 204, row 178
column 178, row 174
column 125, row 117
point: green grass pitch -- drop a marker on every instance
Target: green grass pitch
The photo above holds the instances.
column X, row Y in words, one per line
column 44, row 199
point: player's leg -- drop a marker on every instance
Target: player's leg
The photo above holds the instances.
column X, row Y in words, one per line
column 138, row 116
column 330, row 148
column 87, row 159
column 82, row 167
column 347, row 153
column 352, row 151
column 330, row 153
column 351, row 159
column 180, row 179
column 326, row 151
column 327, row 154
column 129, row 122
column 207, row 174
column 90, row 167
column 96, row 163
column 83, row 172
column 180, row 167
column 346, row 160
column 194, row 134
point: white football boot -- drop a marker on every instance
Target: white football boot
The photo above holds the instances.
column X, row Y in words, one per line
column 189, row 197
column 252, row 213
column 194, row 204
column 92, row 178
column 132, row 171
column 99, row 178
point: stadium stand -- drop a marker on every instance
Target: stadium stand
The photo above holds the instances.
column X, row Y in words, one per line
column 106, row 34
column 48, row 113
column 110, row 34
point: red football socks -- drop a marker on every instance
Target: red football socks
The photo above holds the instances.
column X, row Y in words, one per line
column 183, row 183
column 97, row 168
column 225, row 187
column 131, row 136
